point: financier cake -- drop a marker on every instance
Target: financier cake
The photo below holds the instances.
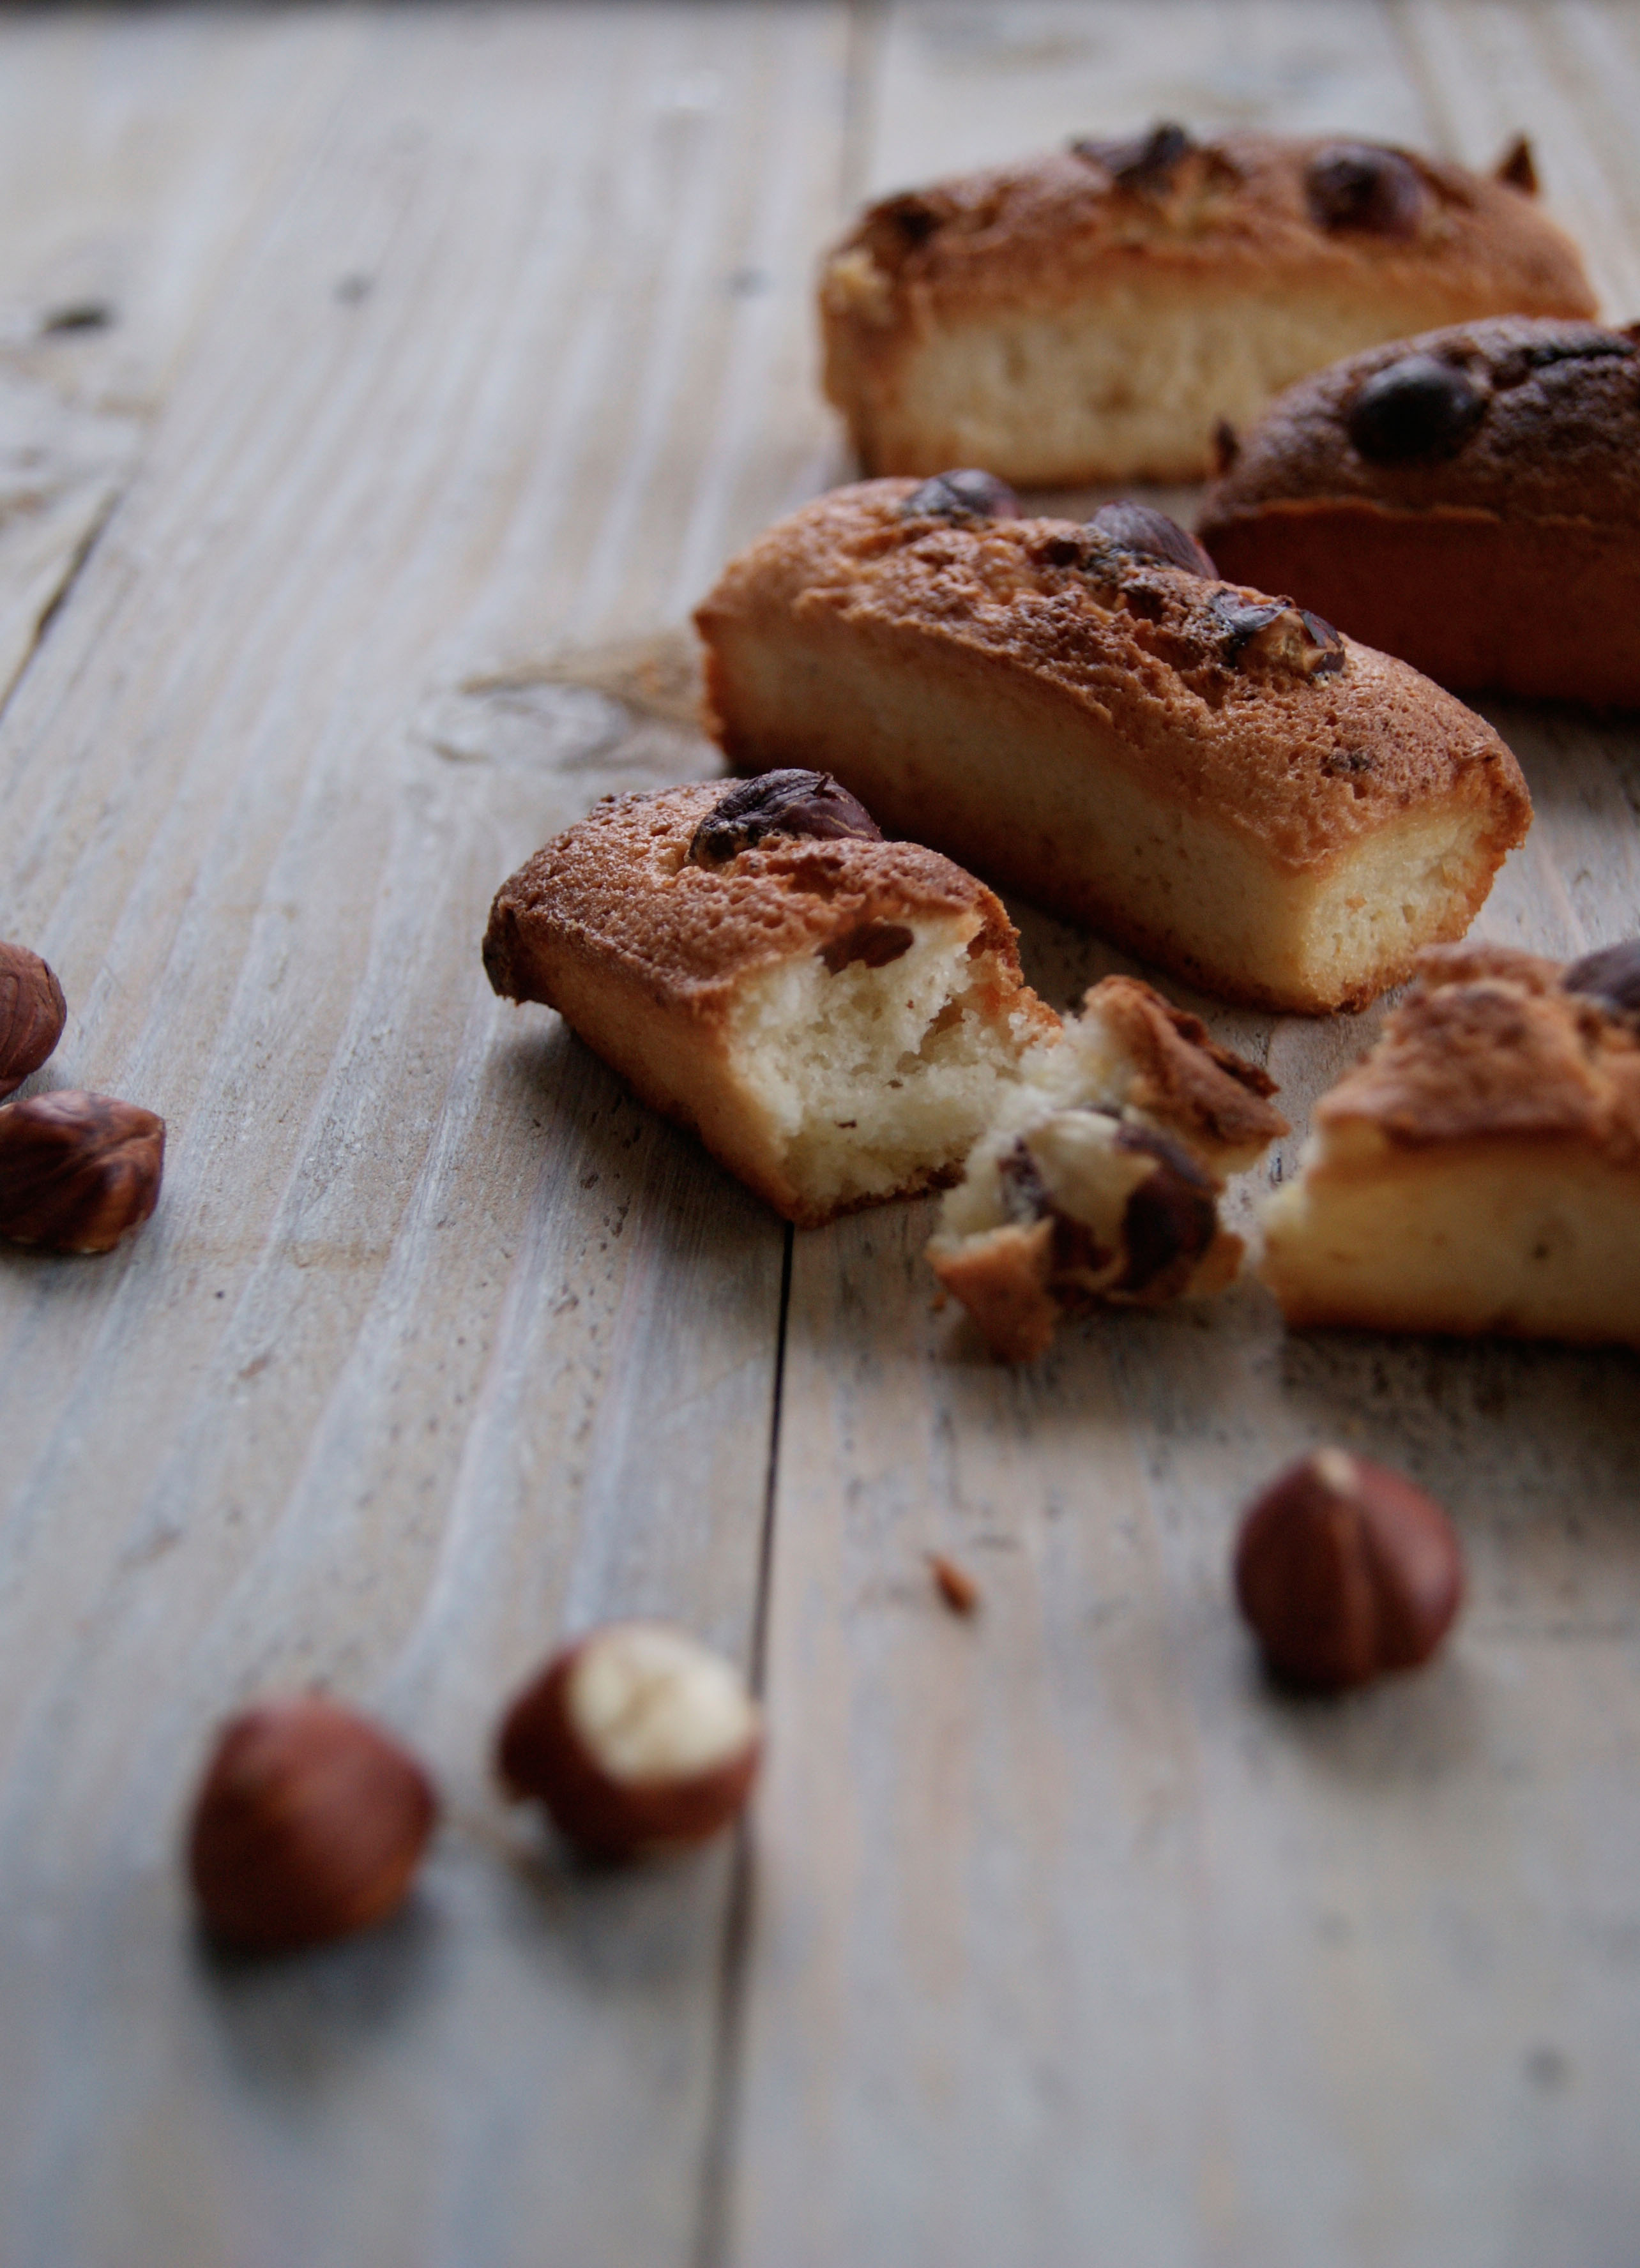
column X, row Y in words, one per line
column 1091, row 314
column 1090, row 716
column 1469, row 500
column 1098, row 1181
column 1479, row 1171
column 831, row 1013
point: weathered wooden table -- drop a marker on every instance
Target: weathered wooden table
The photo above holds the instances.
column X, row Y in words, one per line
column 378, row 388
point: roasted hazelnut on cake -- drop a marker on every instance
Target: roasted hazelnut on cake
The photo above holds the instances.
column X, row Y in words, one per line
column 1206, row 772
column 1345, row 1571
column 1098, row 1181
column 1092, row 313
column 309, row 1824
column 637, row 1738
column 1469, row 500
column 831, row 1013
column 1479, row 1171
column 78, row 1172
column 32, row 1012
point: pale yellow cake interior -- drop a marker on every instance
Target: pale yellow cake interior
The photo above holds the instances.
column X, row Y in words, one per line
column 871, row 1078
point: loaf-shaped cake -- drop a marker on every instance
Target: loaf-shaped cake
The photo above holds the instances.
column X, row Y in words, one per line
column 1480, row 1172
column 1087, row 715
column 1469, row 500
column 833, row 1014
column 1098, row 1180
column 1091, row 315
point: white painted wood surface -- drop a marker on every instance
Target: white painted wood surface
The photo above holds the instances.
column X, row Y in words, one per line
column 448, row 350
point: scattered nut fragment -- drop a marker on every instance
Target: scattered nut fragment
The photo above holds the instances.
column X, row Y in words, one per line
column 1358, row 185
column 1416, row 409
column 637, row 1738
column 788, row 802
column 1346, row 1571
column 32, row 1012
column 308, row 1825
column 78, row 1172
column 965, row 494
column 955, row 1585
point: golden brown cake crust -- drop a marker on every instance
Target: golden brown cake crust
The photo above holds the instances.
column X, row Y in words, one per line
column 1182, row 1077
column 1511, row 560
column 1487, row 1045
column 1303, row 767
column 1047, row 230
column 617, row 890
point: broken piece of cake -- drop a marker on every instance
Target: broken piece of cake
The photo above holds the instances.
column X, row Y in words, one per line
column 1089, row 314
column 833, row 1015
column 1087, row 714
column 1098, row 1181
column 1479, row 1171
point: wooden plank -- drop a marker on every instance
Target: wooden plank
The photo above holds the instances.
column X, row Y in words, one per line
column 1074, row 1939
column 437, row 1343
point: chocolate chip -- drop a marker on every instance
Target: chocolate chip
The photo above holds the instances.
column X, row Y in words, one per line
column 1357, row 185
column 778, row 802
column 1145, row 162
column 1417, row 409
column 873, row 943
column 966, row 494
column 1612, row 977
column 1144, row 533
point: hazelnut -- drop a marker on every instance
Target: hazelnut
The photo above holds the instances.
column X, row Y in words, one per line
column 1358, row 185
column 1143, row 532
column 778, row 802
column 966, row 494
column 1415, row 409
column 33, row 1012
column 78, row 1172
column 1612, row 977
column 308, row 1824
column 1145, row 163
column 636, row 1738
column 1345, row 1571
column 1275, row 634
column 1132, row 1213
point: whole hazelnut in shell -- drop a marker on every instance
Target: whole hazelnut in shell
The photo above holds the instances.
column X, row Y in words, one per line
column 1345, row 1571
column 32, row 1012
column 637, row 1739
column 78, row 1172
column 308, row 1825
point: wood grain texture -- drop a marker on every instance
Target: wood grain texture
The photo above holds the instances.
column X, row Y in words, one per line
column 1073, row 1941
column 437, row 1345
column 452, row 350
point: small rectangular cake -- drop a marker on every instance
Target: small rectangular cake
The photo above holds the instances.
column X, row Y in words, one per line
column 1479, row 1171
column 833, row 1014
column 1087, row 715
column 1090, row 314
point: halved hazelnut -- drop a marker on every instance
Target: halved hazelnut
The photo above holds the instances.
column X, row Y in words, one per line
column 1144, row 162
column 1612, row 977
column 78, row 1172
column 1345, row 1569
column 1143, row 532
column 1361, row 186
column 789, row 802
column 308, row 1825
column 637, row 1738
